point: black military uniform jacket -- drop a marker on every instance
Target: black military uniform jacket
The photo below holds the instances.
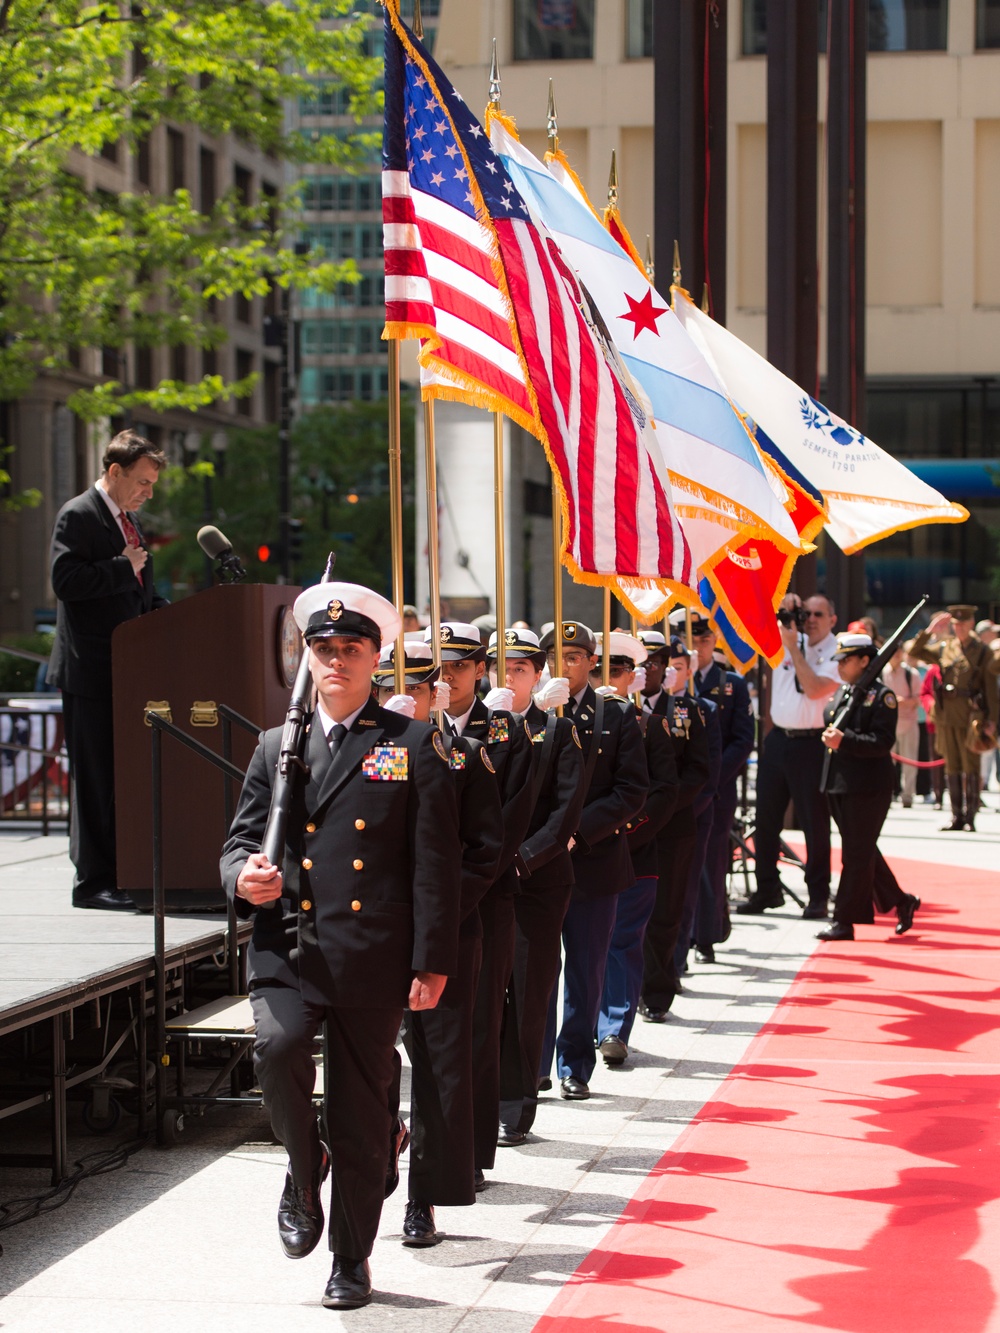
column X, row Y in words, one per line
column 480, row 825
column 509, row 745
column 728, row 691
column 545, row 852
column 372, row 866
column 97, row 590
column 602, row 863
column 688, row 730
column 661, row 798
column 862, row 765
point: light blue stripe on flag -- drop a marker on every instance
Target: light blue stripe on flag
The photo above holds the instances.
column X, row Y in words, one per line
column 691, row 407
column 559, row 210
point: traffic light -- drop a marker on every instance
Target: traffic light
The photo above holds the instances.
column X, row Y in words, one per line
column 294, row 540
column 269, row 553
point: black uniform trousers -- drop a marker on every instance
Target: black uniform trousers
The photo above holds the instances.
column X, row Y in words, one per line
column 539, row 916
column 439, row 1044
column 359, row 1082
column 711, row 923
column 860, row 819
column 90, row 744
column 676, row 849
column 791, row 767
column 496, row 911
column 705, row 823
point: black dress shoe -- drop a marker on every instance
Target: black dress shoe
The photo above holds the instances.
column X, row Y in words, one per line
column 544, row 1085
column 905, row 913
column 480, row 1180
column 510, row 1138
column 761, row 902
column 107, row 900
column 614, row 1050
column 399, row 1141
column 300, row 1211
column 573, row 1089
column 418, row 1225
column 650, row 1014
column 815, row 912
column 350, row 1284
column 705, row 953
column 840, row 930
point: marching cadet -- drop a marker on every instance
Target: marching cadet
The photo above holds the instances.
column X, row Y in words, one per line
column 545, row 882
column 615, row 783
column 968, row 689
column 860, row 784
column 728, row 692
column 677, row 842
column 623, row 975
column 508, row 742
column 439, row 1041
column 359, row 922
column 656, row 687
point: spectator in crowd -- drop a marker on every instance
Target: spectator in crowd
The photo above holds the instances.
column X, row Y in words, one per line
column 904, row 682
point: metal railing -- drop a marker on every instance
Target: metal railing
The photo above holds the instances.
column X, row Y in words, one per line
column 34, row 768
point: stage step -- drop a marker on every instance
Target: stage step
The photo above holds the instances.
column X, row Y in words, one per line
column 231, row 1015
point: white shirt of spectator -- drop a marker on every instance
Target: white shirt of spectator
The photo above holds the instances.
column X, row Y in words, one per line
column 904, row 685
column 789, row 707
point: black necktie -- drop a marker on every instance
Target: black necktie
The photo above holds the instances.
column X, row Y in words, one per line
column 337, row 733
column 571, row 708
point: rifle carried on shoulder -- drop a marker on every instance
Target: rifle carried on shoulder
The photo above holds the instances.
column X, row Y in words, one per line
column 290, row 760
column 868, row 677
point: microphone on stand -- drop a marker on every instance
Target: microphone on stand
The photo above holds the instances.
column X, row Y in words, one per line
column 218, row 547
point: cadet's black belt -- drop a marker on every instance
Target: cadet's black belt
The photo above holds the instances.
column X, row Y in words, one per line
column 802, row 731
column 962, row 694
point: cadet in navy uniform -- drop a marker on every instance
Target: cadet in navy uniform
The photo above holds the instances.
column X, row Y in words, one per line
column 860, row 785
column 439, row 1041
column 545, row 881
column 677, row 842
column 463, row 664
column 656, row 686
column 615, row 780
column 728, row 691
column 623, row 975
column 367, row 924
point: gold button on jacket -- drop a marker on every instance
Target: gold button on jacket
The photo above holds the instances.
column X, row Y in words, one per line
column 306, row 905
column 355, row 906
column 306, row 863
column 359, row 864
column 310, row 828
column 359, row 824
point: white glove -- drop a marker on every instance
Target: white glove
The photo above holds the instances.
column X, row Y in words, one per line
column 606, row 690
column 553, row 694
column 500, row 698
column 401, row 703
column 638, row 681
column 441, row 697
column 669, row 678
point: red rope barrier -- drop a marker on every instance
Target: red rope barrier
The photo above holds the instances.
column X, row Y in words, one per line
column 918, row 763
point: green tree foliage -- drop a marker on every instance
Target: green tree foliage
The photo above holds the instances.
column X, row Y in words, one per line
column 339, row 490
column 85, row 268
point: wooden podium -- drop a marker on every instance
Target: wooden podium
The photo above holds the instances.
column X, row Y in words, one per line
column 232, row 645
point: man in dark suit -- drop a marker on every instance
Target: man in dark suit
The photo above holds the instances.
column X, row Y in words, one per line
column 728, row 691
column 544, row 884
column 508, row 742
column 102, row 574
column 367, row 924
column 616, row 780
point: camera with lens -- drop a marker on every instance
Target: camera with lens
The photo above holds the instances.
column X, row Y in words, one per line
column 794, row 615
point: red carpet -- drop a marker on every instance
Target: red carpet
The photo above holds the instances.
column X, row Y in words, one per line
column 847, row 1175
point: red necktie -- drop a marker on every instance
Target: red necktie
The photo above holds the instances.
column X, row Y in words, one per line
column 129, row 529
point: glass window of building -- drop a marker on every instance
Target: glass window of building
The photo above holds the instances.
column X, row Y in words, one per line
column 553, row 29
column 893, row 25
column 987, row 23
column 639, row 29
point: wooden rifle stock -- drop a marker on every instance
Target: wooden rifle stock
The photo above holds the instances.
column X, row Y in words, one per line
column 290, row 761
column 870, row 674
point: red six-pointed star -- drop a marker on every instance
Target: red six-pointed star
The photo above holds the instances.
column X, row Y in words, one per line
column 643, row 314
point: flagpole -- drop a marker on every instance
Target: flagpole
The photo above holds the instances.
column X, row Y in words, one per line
column 606, row 639
column 552, row 125
column 637, row 696
column 433, row 546
column 396, row 511
column 498, row 524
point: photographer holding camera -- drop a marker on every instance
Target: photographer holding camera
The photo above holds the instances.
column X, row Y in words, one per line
column 791, row 757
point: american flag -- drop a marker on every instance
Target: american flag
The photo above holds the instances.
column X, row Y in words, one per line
column 505, row 324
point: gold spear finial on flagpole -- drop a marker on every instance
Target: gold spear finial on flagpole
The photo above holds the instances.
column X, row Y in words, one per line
column 677, row 265
column 418, row 21
column 613, row 181
column 551, row 122
column 650, row 266
column 705, row 304
column 495, row 79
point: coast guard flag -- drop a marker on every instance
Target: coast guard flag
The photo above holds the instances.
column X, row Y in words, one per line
column 505, row 324
column 731, row 506
column 868, row 493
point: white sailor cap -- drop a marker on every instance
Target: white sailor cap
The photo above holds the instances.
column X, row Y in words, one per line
column 419, row 665
column 626, row 650
column 347, row 610
column 849, row 645
column 457, row 641
column 517, row 643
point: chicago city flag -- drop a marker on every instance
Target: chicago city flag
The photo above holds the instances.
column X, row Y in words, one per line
column 505, row 323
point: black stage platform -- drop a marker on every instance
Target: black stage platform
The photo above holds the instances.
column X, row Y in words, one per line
column 55, row 960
